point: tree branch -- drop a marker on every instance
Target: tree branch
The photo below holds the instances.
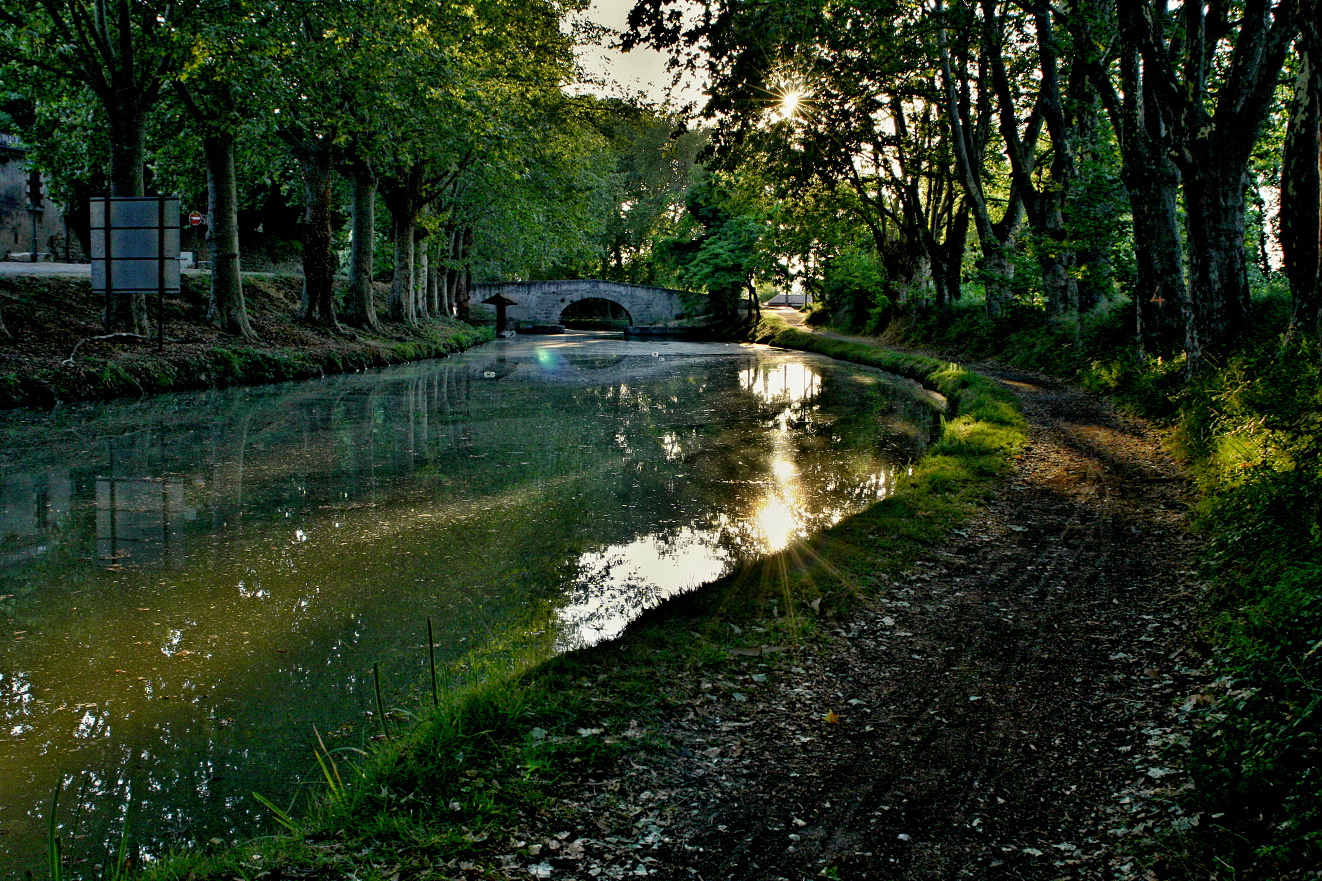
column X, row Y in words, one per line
column 68, row 362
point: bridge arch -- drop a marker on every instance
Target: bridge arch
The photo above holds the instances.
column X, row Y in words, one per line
column 593, row 309
column 544, row 302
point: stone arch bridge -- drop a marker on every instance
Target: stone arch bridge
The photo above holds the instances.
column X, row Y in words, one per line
column 543, row 302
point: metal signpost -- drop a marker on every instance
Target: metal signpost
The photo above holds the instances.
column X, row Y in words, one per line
column 35, row 209
column 135, row 248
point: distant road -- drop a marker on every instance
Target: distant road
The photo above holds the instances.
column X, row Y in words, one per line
column 792, row 317
column 85, row 269
column 11, row 268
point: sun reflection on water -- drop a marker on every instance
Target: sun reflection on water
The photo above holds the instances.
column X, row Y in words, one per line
column 614, row 583
column 789, row 384
column 777, row 523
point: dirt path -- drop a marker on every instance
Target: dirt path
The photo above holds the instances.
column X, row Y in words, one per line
column 992, row 705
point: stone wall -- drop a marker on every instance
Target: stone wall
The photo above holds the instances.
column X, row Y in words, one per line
column 542, row 302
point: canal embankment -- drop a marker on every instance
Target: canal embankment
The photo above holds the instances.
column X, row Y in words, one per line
column 592, row 763
column 57, row 352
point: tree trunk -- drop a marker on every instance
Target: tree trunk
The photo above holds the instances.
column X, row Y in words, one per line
column 446, row 280
column 435, row 303
column 996, row 272
column 226, row 309
column 1059, row 286
column 948, row 271
column 421, row 245
column 1043, row 205
column 1160, row 294
column 420, row 266
column 1301, row 198
column 464, row 281
column 126, row 312
column 318, row 305
column 1152, row 181
column 995, row 269
column 359, row 308
column 128, row 144
column 449, row 237
column 1212, row 147
column 1219, row 285
column 402, row 304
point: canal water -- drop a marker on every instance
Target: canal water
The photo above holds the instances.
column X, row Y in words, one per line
column 190, row 583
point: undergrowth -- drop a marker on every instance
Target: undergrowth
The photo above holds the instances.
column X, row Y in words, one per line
column 1095, row 349
column 1253, row 434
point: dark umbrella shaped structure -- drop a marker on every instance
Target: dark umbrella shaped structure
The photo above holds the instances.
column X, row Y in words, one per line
column 500, row 301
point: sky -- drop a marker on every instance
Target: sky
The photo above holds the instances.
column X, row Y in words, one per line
column 642, row 70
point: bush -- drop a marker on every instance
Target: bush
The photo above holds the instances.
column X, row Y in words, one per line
column 1254, row 434
column 854, row 291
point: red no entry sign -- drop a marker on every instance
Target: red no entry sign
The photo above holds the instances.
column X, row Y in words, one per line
column 195, row 219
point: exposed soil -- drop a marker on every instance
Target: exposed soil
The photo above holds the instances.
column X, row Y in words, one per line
column 999, row 712
column 56, row 349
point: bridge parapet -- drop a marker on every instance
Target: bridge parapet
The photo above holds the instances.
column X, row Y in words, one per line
column 542, row 302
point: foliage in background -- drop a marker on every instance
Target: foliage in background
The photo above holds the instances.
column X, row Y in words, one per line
column 656, row 164
column 853, row 291
column 718, row 250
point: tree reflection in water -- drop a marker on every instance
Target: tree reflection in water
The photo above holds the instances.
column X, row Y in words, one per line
column 190, row 582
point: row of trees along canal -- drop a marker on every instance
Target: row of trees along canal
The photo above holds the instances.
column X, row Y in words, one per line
column 887, row 153
column 457, row 117
column 1079, row 148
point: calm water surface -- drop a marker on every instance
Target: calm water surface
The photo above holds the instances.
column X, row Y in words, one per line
column 189, row 584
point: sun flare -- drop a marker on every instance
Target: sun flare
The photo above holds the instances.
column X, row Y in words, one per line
column 789, row 104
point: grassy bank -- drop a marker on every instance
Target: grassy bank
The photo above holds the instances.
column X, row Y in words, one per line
column 451, row 776
column 1250, row 434
column 53, row 355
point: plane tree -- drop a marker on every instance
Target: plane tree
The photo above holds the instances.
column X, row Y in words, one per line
column 472, row 97
column 656, row 163
column 125, row 53
column 852, row 96
column 1210, row 72
column 220, row 86
column 720, row 250
column 547, row 216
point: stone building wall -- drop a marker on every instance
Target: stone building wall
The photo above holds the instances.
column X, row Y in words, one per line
column 52, row 236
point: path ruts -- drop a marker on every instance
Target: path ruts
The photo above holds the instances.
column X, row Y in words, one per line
column 993, row 701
